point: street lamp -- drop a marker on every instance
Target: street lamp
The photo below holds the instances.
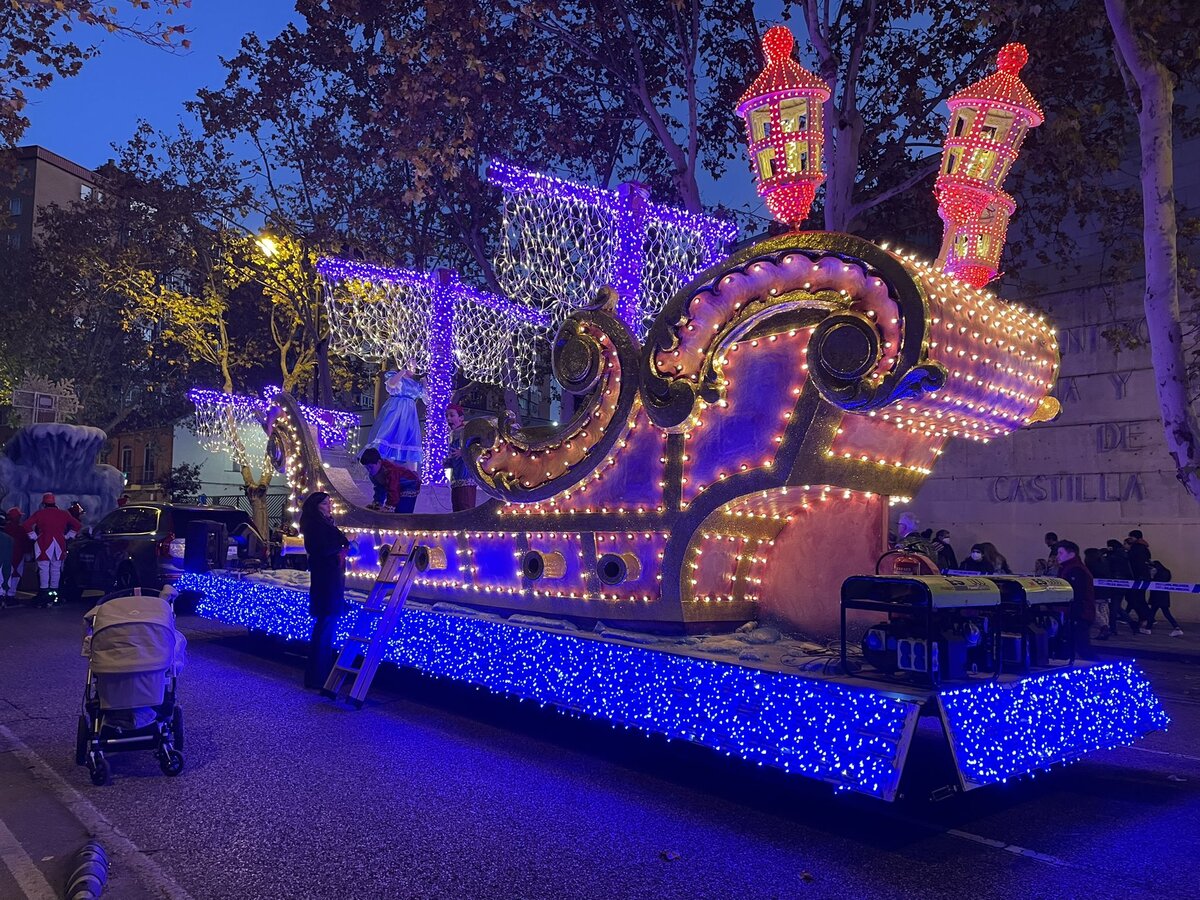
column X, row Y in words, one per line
column 267, row 244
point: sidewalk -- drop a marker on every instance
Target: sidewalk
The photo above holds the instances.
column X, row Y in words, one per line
column 1159, row 645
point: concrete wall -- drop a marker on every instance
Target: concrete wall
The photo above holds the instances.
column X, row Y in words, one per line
column 1102, row 468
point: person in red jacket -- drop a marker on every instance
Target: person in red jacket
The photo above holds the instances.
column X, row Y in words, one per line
column 21, row 548
column 394, row 485
column 1083, row 603
column 49, row 528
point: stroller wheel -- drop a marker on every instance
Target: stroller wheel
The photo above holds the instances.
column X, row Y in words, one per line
column 171, row 762
column 100, row 771
column 177, row 728
column 83, row 734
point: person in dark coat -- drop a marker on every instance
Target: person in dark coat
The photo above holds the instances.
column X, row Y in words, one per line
column 1139, row 562
column 325, row 545
column 1083, row 603
column 1120, row 569
column 1161, row 600
column 1096, row 563
column 946, row 557
column 975, row 562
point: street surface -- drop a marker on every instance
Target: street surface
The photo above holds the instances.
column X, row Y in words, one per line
column 437, row 791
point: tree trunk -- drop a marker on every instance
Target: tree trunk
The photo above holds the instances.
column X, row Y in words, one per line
column 1156, row 92
column 324, row 378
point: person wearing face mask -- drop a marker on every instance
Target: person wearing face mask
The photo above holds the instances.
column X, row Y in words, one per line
column 976, row 562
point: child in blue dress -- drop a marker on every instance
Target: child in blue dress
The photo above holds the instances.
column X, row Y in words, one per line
column 396, row 433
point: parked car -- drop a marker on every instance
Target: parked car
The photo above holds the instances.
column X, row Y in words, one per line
column 142, row 545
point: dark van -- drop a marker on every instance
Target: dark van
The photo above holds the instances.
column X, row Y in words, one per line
column 142, row 545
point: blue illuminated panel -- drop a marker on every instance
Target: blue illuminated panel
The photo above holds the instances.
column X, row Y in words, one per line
column 855, row 738
column 1000, row 731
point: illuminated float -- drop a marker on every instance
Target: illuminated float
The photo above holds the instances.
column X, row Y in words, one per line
column 737, row 464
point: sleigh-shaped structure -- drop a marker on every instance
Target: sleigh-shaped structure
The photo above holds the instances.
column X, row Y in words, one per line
column 739, row 465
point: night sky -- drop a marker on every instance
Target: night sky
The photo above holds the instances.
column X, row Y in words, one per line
column 82, row 117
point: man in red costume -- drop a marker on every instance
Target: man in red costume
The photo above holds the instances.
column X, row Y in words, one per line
column 49, row 528
column 21, row 547
column 394, row 484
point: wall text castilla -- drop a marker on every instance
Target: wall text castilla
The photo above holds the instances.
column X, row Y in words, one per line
column 1094, row 487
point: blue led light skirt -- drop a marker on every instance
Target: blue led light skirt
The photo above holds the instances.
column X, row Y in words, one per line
column 855, row 737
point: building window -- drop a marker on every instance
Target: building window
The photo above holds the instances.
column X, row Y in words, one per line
column 127, row 460
column 147, row 465
column 14, row 240
column 16, row 206
column 85, row 192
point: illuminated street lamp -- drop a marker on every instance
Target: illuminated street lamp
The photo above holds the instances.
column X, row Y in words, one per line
column 267, row 244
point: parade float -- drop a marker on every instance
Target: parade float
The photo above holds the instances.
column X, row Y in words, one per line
column 672, row 557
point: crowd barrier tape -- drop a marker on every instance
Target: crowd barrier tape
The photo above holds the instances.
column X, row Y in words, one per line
column 1175, row 587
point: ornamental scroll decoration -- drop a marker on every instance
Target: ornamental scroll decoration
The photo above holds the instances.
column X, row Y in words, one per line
column 868, row 347
column 594, row 356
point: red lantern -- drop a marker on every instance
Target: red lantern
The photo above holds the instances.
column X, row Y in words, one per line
column 988, row 124
column 782, row 110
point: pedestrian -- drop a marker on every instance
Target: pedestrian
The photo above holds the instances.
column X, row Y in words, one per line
column 49, row 528
column 946, row 558
column 1118, row 564
column 1139, row 563
column 22, row 549
column 1106, row 598
column 396, row 486
column 1161, row 599
column 995, row 559
column 1083, row 600
column 462, row 485
column 325, row 545
column 6, row 545
column 1049, row 565
column 975, row 562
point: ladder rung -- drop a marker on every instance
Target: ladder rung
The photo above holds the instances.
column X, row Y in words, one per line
column 361, row 640
column 351, row 669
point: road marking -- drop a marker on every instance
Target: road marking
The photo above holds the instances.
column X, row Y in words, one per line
column 980, row 839
column 28, row 876
column 1170, row 753
column 116, row 844
column 1009, row 848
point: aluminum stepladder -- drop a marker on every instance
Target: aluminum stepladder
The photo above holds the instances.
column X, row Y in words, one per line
column 358, row 660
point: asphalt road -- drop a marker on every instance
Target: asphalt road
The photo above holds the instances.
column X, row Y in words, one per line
column 434, row 791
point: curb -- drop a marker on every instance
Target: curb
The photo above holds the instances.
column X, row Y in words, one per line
column 1184, row 655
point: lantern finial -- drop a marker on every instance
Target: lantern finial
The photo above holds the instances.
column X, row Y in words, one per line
column 988, row 123
column 782, row 110
column 1012, row 58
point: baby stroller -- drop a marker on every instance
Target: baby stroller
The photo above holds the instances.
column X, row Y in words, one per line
column 134, row 657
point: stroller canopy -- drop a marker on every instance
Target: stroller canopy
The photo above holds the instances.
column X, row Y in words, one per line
column 133, row 634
